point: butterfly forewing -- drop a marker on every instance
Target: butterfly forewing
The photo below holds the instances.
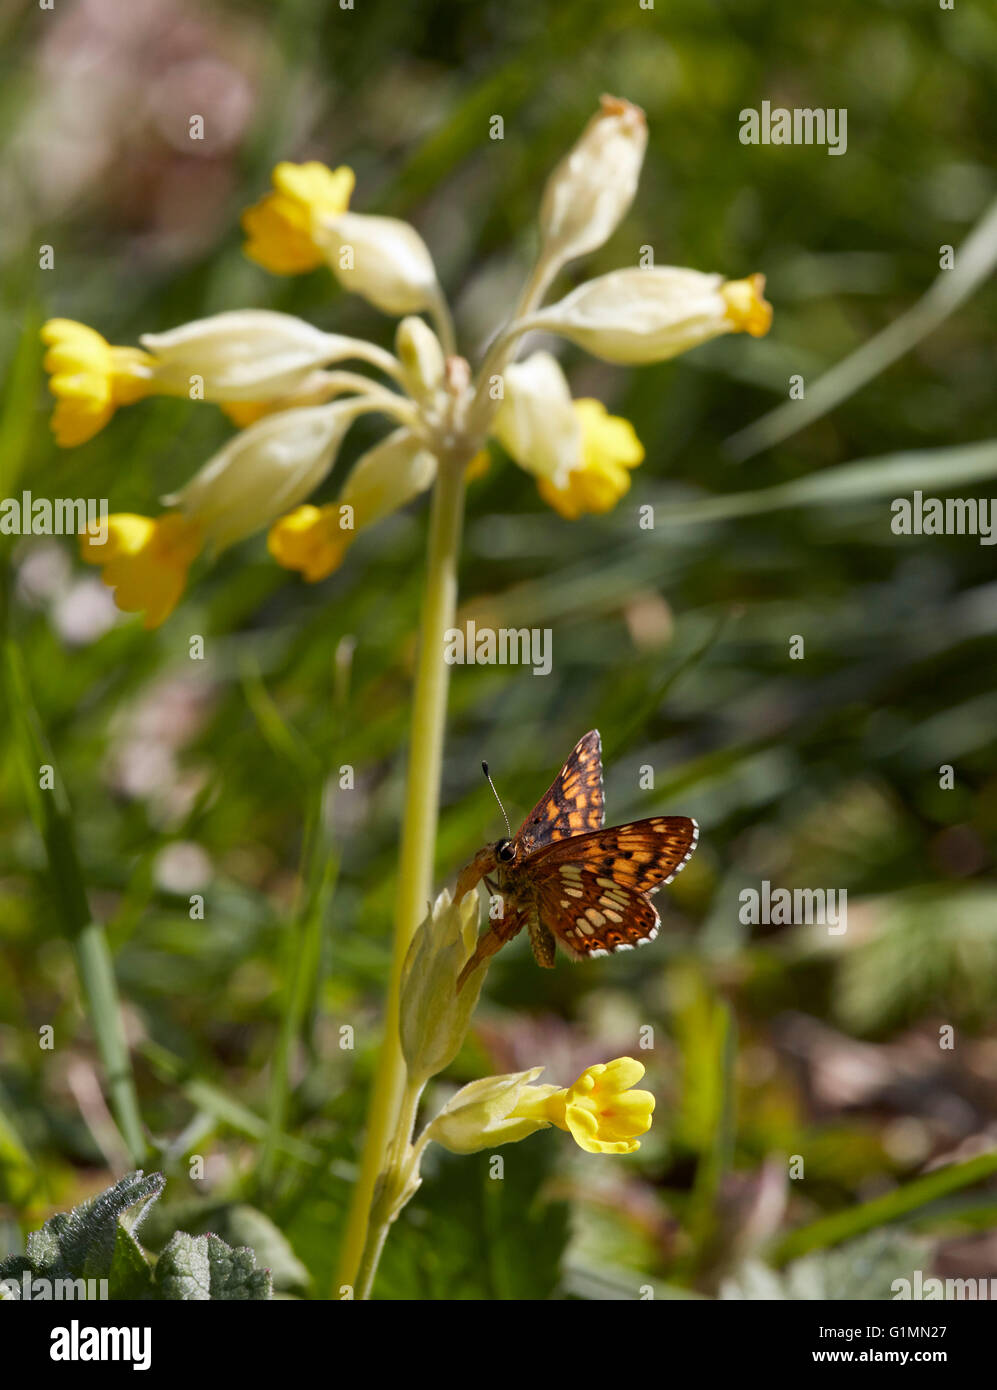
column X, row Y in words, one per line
column 572, row 804
column 642, row 855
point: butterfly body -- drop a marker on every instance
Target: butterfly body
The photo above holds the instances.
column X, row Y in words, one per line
column 569, row 880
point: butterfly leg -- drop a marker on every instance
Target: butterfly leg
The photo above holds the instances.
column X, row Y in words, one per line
column 543, row 943
column 498, row 933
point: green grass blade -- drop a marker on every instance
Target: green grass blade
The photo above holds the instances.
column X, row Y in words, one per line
column 53, row 817
column 893, row 1206
column 974, row 263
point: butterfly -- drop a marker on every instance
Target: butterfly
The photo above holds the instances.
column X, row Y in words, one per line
column 567, row 880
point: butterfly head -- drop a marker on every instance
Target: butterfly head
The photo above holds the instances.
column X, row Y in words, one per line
column 505, row 851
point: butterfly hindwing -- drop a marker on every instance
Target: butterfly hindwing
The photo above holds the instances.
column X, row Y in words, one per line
column 591, row 915
column 572, row 804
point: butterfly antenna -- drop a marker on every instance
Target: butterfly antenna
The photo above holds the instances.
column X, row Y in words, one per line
column 484, row 769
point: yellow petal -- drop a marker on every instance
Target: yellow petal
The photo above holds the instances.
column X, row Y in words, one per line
column 607, row 438
column 145, row 561
column 309, row 540
column 602, row 1113
column 747, row 309
column 315, row 186
column 281, row 229
column 610, row 448
column 278, row 236
column 89, row 379
column 243, row 413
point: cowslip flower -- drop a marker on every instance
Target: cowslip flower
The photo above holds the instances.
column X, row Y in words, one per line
column 580, row 454
column 305, row 223
column 650, row 315
column 284, row 230
column 263, row 470
column 248, row 357
column 313, row 540
column 280, row 380
column 89, row 379
column 145, row 561
column 601, row 1111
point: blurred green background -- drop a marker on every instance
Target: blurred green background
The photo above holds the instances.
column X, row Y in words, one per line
column 220, row 777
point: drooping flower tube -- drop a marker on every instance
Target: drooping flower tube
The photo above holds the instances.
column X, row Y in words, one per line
column 640, row 316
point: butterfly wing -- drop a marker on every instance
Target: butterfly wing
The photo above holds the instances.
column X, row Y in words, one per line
column 572, row 804
column 592, row 889
column 591, row 915
column 643, row 855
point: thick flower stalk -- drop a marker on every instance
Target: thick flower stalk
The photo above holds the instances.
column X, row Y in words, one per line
column 284, row 384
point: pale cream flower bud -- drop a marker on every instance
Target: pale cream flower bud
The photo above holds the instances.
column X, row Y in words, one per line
column 536, row 422
column 265, row 470
column 386, row 477
column 419, row 351
column 634, row 316
column 480, row 1115
column 244, row 355
column 383, row 259
column 434, row 1017
column 590, row 191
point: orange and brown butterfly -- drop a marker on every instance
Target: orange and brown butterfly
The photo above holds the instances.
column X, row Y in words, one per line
column 567, row 880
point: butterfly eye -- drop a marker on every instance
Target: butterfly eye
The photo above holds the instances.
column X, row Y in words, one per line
column 506, row 850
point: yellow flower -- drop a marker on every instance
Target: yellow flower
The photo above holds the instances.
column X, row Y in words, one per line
column 309, row 539
column 635, row 316
column 600, row 1111
column 747, row 309
column 145, row 561
column 610, row 448
column 89, row 379
column 314, row 539
column 284, row 229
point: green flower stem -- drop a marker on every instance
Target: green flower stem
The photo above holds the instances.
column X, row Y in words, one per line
column 400, row 1165
column 363, row 1237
